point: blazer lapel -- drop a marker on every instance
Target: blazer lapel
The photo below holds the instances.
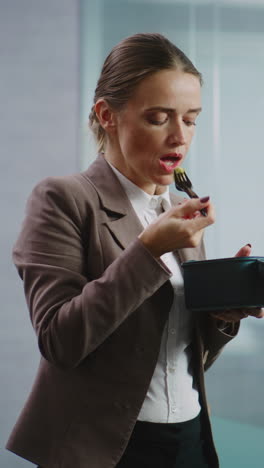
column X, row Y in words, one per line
column 120, row 217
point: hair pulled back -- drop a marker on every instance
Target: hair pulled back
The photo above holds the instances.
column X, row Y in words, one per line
column 129, row 62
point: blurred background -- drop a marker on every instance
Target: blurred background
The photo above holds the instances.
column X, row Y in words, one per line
column 51, row 53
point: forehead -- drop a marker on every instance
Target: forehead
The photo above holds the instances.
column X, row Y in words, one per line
column 168, row 88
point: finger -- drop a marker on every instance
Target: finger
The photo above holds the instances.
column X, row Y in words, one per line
column 184, row 200
column 245, row 251
column 197, row 214
column 191, row 206
column 235, row 315
column 231, row 316
column 257, row 313
column 197, row 223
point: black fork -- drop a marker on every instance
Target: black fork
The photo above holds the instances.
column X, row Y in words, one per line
column 183, row 183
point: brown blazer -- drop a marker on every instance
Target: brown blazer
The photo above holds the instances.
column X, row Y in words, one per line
column 98, row 302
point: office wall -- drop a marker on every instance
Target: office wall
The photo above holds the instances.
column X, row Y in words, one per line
column 39, row 137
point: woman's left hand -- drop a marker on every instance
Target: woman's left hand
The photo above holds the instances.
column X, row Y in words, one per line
column 234, row 315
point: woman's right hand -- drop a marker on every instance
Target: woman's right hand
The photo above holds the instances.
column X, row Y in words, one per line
column 180, row 227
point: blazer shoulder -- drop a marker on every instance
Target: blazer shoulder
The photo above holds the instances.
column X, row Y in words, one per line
column 74, row 185
column 71, row 196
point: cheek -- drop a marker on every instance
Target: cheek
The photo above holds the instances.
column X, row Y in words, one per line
column 140, row 141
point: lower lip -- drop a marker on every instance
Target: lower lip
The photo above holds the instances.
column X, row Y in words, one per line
column 169, row 168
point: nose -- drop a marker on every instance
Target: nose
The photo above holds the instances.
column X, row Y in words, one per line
column 177, row 134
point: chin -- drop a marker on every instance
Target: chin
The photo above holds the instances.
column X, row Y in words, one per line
column 165, row 180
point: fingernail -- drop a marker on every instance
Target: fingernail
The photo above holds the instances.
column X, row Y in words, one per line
column 204, row 199
column 249, row 245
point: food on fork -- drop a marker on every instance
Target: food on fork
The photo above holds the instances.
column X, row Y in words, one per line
column 179, row 170
column 183, row 183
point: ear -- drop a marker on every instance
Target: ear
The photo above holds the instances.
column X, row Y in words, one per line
column 105, row 115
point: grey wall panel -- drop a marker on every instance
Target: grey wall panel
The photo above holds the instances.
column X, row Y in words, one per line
column 39, row 135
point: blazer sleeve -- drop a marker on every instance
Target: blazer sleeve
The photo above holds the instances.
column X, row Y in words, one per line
column 216, row 335
column 71, row 314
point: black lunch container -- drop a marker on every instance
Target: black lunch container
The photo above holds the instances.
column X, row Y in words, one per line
column 224, row 283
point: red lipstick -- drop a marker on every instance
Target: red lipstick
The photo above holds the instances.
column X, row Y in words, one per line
column 170, row 161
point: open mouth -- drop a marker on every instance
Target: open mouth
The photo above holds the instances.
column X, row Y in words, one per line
column 170, row 161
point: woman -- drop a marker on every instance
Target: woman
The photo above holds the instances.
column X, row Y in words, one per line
column 120, row 381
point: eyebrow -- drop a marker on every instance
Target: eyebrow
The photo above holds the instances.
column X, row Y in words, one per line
column 168, row 109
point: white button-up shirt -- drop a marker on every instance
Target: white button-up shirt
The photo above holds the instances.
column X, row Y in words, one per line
column 171, row 396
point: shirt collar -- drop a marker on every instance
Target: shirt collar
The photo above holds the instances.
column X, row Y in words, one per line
column 139, row 199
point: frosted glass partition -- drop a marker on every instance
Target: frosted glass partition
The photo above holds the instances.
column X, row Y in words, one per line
column 226, row 42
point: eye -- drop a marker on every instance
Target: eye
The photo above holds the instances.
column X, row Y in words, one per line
column 190, row 123
column 158, row 118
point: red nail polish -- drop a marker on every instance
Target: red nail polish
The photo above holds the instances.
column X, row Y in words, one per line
column 204, row 199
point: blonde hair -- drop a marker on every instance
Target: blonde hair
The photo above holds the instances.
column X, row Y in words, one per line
column 129, row 62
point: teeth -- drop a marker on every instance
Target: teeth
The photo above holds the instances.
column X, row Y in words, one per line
column 169, row 163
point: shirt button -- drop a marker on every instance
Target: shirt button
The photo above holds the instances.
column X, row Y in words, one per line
column 172, row 369
column 172, row 331
column 174, row 409
column 153, row 203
